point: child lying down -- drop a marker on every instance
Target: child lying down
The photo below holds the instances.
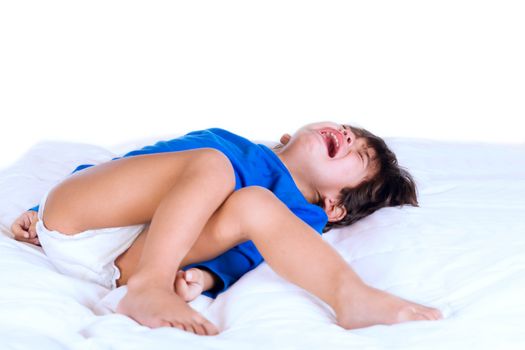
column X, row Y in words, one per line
column 193, row 214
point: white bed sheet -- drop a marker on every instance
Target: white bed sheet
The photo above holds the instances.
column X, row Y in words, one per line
column 462, row 251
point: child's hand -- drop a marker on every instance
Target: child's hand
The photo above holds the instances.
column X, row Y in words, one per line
column 24, row 227
column 189, row 284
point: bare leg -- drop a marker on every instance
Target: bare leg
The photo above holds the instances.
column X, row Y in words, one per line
column 244, row 215
column 221, row 232
column 299, row 254
column 177, row 192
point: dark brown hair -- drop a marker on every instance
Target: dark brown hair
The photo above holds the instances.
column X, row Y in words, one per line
column 391, row 186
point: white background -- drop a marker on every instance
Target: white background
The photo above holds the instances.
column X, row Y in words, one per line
column 107, row 72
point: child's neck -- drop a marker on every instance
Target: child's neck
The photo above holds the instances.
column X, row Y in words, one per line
column 298, row 177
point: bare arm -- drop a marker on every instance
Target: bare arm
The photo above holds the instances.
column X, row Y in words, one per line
column 210, row 280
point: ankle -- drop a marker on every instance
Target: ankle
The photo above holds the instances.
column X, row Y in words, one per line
column 348, row 289
column 140, row 281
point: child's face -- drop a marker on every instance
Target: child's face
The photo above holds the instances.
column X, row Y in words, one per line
column 331, row 157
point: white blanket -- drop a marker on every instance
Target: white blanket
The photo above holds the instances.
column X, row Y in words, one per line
column 462, row 251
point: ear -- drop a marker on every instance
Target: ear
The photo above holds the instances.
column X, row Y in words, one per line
column 285, row 139
column 334, row 211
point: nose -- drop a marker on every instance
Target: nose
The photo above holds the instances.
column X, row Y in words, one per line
column 347, row 137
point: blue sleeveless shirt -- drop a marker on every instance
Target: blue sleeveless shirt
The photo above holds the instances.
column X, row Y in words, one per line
column 254, row 165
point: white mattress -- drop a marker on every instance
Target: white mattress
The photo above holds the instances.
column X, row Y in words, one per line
column 462, row 251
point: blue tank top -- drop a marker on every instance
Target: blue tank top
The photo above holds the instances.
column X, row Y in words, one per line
column 254, row 165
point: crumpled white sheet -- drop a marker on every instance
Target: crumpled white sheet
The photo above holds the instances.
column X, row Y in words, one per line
column 462, row 251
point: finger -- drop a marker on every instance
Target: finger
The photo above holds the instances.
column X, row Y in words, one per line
column 33, row 215
column 179, row 276
column 30, row 220
column 188, row 275
column 194, row 276
column 17, row 230
column 285, row 139
column 180, row 284
column 183, row 293
column 17, row 226
column 32, row 230
column 21, row 234
column 25, row 221
column 178, row 279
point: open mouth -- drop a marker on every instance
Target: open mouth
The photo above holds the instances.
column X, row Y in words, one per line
column 333, row 141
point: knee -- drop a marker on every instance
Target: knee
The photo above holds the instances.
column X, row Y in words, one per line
column 255, row 206
column 213, row 164
column 58, row 215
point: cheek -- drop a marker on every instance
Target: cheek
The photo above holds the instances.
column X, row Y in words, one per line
column 354, row 165
column 354, row 169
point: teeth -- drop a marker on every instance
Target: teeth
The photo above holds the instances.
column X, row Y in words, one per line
column 334, row 138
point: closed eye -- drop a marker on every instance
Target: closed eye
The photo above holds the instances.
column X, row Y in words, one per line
column 363, row 159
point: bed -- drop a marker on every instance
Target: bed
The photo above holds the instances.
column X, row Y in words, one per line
column 461, row 251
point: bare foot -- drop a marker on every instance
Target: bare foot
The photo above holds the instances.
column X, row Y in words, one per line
column 156, row 307
column 367, row 306
column 189, row 284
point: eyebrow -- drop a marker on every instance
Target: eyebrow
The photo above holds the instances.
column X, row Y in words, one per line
column 348, row 127
column 363, row 149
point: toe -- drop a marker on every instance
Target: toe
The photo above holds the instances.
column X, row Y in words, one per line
column 432, row 314
column 157, row 323
column 189, row 328
column 420, row 317
column 199, row 328
column 438, row 314
column 210, row 328
column 177, row 325
column 426, row 313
